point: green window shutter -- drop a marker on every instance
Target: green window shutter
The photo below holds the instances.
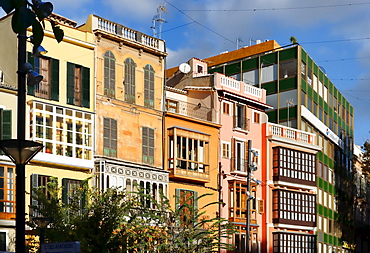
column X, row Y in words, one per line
column 34, row 185
column 177, row 198
column 65, row 190
column 54, row 66
column 195, row 202
column 70, row 83
column 31, row 60
column 6, row 124
column 85, row 87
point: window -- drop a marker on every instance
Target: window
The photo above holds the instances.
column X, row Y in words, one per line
column 226, row 108
column 251, row 77
column 61, row 130
column 303, row 70
column 172, row 106
column 288, row 69
column 293, row 242
column 149, row 86
column 309, row 76
column 190, row 199
column 239, row 155
column 110, row 137
column 199, row 69
column 129, row 83
column 78, row 85
column 70, row 187
column 48, row 88
column 237, row 202
column 5, row 124
column 189, row 152
column 240, row 118
column 293, row 166
column 256, row 117
column 148, row 145
column 37, row 181
column 225, row 150
column 3, row 241
column 109, row 74
column 294, row 208
column 7, row 192
column 269, row 73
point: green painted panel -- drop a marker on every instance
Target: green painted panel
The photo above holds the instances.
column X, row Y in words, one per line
column 283, row 113
column 232, row 69
column 326, row 186
column 321, row 102
column 310, row 91
column 216, row 70
column 320, row 182
column 288, row 84
column 303, row 55
column 272, row 116
column 326, row 107
column 269, row 59
column 304, row 86
column 250, row 64
column 316, row 70
column 326, row 81
column 326, row 159
column 326, row 238
column 331, row 187
column 290, row 53
column 309, row 62
column 321, row 74
column 319, row 209
column 331, row 111
column 320, row 156
column 270, row 88
column 315, row 97
column 330, row 239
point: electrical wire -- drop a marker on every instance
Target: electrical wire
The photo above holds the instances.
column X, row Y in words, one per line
column 281, row 8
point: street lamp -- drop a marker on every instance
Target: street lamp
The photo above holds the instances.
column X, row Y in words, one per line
column 42, row 223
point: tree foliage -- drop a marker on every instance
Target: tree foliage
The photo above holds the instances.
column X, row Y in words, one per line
column 33, row 14
column 366, row 158
column 117, row 221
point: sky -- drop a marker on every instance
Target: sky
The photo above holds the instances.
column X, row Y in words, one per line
column 335, row 33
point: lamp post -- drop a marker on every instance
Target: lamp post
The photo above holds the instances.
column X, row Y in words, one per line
column 20, row 150
column 42, row 223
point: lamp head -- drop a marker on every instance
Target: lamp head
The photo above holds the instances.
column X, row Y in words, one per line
column 39, row 51
column 46, row 8
column 33, row 78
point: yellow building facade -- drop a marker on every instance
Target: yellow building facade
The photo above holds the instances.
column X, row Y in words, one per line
column 59, row 114
column 129, row 107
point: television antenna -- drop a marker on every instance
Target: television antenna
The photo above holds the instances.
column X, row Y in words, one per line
column 158, row 21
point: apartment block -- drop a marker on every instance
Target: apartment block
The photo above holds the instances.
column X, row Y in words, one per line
column 239, row 110
column 59, row 114
column 129, row 72
column 303, row 97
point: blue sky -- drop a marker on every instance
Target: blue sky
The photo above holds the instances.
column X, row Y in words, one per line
column 335, row 33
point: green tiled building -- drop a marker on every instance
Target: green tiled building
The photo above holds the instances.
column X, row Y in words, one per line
column 303, row 97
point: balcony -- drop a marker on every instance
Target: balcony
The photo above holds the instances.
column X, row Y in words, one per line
column 242, row 123
column 193, row 171
column 275, row 130
column 197, row 111
column 127, row 33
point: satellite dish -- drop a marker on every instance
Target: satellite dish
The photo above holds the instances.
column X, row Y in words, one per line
column 184, row 68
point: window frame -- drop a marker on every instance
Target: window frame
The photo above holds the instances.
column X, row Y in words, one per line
column 130, row 80
column 149, row 76
column 109, row 67
column 148, row 145
column 110, row 136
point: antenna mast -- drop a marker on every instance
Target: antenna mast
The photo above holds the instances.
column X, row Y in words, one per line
column 158, row 21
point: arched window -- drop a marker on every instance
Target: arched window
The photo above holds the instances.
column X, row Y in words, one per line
column 149, row 86
column 109, row 74
column 129, row 83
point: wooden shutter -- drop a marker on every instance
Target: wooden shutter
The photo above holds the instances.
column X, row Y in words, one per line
column 151, row 142
column 113, row 135
column 6, row 124
column 85, row 87
column 54, row 75
column 261, row 206
column 34, row 185
column 195, row 200
column 233, row 158
column 245, row 119
column 65, row 190
column 70, row 83
column 246, row 156
column 145, row 143
column 31, row 60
